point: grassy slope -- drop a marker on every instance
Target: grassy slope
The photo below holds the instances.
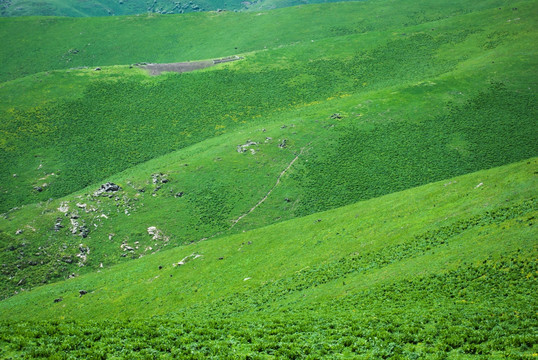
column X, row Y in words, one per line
column 109, row 41
column 404, row 117
column 382, row 265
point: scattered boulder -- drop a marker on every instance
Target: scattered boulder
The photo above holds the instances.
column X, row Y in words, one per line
column 336, row 116
column 82, row 292
column 97, row 69
column 64, row 207
column 287, row 200
column 58, row 225
column 83, row 255
column 108, row 187
column 58, row 300
column 38, row 188
column 283, row 144
column 79, row 228
column 18, row 232
column 179, row 194
column 159, row 178
column 157, row 234
column 126, row 247
column 188, row 258
column 243, row 148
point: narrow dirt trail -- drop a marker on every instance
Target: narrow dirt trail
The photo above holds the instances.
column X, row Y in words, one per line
column 282, row 173
column 270, row 191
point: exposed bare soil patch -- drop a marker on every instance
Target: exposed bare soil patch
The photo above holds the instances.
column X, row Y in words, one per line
column 180, row 67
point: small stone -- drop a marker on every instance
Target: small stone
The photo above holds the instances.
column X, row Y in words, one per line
column 336, row 116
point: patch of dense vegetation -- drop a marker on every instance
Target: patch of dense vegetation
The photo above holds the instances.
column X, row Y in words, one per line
column 370, row 160
column 482, row 309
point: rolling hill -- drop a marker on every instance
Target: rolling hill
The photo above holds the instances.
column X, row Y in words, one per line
column 361, row 183
column 448, row 268
column 132, row 7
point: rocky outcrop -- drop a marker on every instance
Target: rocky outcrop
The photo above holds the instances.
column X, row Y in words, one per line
column 157, row 234
column 108, row 187
column 83, row 255
column 243, row 148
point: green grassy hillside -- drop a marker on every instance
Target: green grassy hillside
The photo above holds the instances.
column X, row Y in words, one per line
column 37, row 44
column 445, row 270
column 434, row 102
column 361, row 184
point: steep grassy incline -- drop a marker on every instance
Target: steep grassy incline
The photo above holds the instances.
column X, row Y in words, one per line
column 37, row 44
column 447, row 269
column 356, row 116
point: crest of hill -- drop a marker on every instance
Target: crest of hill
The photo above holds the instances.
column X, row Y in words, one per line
column 63, row 43
column 91, row 8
